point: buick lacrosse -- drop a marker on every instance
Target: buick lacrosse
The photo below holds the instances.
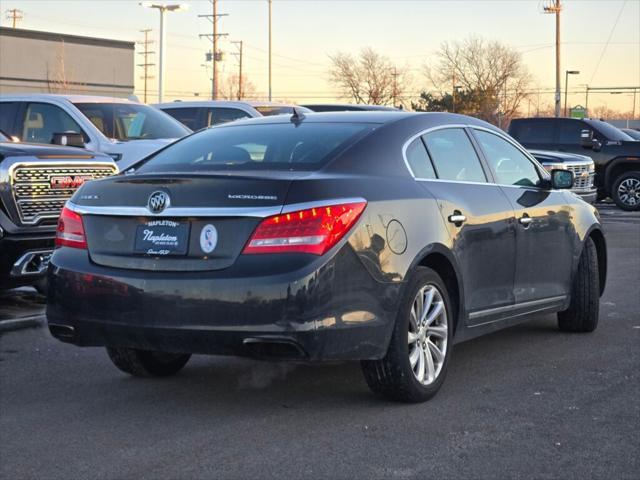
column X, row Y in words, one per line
column 383, row 237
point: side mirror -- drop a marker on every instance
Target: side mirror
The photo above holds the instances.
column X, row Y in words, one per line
column 69, row 139
column 561, row 179
column 587, row 140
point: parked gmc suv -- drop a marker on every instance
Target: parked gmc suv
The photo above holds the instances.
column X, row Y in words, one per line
column 616, row 155
column 35, row 183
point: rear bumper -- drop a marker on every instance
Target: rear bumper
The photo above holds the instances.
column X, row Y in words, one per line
column 330, row 309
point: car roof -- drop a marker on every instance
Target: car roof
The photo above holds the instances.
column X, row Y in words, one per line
column 219, row 103
column 426, row 119
column 362, row 106
column 70, row 98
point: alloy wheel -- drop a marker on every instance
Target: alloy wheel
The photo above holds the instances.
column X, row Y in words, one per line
column 428, row 334
column 629, row 192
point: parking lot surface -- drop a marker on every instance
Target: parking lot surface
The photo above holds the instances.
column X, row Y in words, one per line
column 528, row 401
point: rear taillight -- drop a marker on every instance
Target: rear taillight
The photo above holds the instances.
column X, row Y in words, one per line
column 70, row 232
column 314, row 230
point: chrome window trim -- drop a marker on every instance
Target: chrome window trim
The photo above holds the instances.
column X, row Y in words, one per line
column 405, row 146
column 257, row 212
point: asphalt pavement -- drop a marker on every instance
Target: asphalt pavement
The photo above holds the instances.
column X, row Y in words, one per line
column 526, row 402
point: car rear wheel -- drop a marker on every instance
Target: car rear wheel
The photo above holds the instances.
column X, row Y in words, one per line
column 416, row 362
column 626, row 191
column 143, row 363
column 583, row 311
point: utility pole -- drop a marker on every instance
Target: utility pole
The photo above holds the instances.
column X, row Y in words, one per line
column 239, row 56
column 554, row 7
column 15, row 15
column 216, row 55
column 270, row 91
column 395, row 86
column 145, row 63
column 453, row 92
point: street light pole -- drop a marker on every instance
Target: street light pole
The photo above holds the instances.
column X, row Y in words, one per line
column 555, row 7
column 566, row 86
column 163, row 38
column 270, row 91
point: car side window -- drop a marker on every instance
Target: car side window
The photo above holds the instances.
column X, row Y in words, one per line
column 510, row 166
column 570, row 131
column 419, row 161
column 8, row 112
column 453, row 155
column 225, row 115
column 42, row 120
column 189, row 116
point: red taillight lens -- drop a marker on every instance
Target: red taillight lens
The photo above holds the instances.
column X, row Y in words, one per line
column 70, row 232
column 314, row 230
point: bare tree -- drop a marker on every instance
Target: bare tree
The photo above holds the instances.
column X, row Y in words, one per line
column 230, row 88
column 492, row 71
column 368, row 78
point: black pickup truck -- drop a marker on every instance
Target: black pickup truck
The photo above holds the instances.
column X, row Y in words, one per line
column 35, row 183
column 616, row 155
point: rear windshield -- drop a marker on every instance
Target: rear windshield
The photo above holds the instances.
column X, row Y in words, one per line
column 131, row 121
column 269, row 110
column 273, row 146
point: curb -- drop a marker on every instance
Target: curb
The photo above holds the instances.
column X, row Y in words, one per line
column 20, row 323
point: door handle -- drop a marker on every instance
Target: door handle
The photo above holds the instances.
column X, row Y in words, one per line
column 457, row 218
column 525, row 220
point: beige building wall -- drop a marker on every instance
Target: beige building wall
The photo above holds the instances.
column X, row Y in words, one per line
column 43, row 62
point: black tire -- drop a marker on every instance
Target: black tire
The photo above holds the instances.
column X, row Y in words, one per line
column 583, row 311
column 142, row 363
column 392, row 376
column 632, row 202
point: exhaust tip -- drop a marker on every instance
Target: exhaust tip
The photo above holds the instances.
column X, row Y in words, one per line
column 66, row 333
column 276, row 348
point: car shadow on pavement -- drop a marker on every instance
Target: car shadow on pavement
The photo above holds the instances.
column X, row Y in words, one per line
column 237, row 384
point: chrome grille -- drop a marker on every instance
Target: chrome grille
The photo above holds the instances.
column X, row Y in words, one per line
column 36, row 199
column 583, row 178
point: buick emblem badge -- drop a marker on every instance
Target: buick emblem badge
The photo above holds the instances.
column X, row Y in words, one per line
column 158, row 201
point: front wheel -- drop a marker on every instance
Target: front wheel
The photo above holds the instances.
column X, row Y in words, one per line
column 415, row 365
column 144, row 363
column 626, row 191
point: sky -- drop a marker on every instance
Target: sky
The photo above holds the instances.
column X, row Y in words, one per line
column 600, row 38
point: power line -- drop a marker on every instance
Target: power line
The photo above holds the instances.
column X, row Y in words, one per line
column 604, row 49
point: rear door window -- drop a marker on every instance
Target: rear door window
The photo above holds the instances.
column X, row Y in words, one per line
column 532, row 131
column 274, row 146
column 570, row 131
column 219, row 115
column 42, row 120
column 453, row 155
column 192, row 117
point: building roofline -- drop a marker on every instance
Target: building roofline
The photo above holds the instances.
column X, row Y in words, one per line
column 56, row 37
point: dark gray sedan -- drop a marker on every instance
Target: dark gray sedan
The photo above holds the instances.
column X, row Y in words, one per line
column 383, row 237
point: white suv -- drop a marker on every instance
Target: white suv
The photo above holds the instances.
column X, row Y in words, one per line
column 125, row 130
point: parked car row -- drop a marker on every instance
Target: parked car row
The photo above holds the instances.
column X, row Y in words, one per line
column 291, row 234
